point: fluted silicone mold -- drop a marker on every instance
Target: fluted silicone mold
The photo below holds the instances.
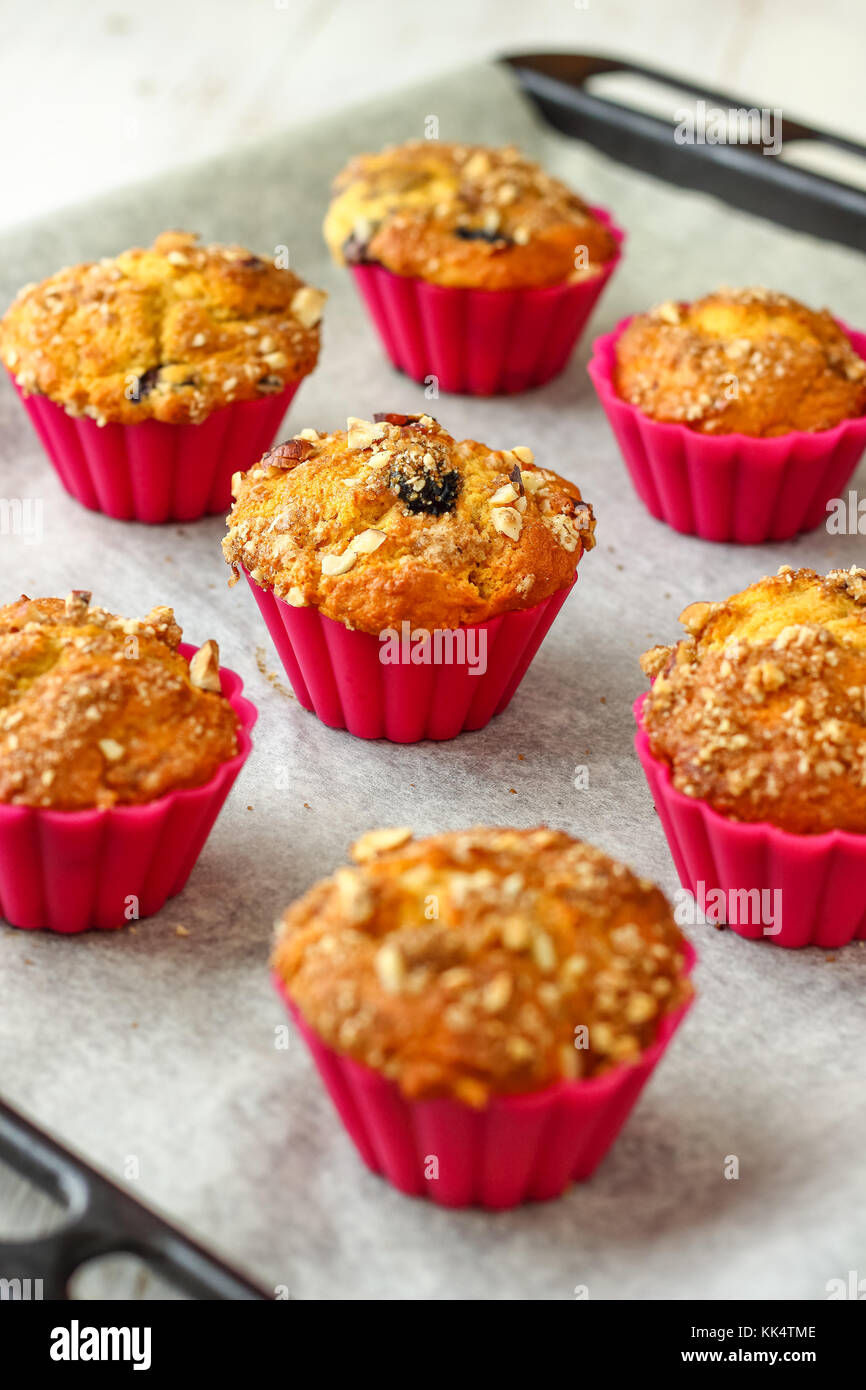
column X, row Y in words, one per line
column 481, row 342
column 155, row 472
column 821, row 878
column 337, row 673
column 525, row 1148
column 70, row 870
column 728, row 487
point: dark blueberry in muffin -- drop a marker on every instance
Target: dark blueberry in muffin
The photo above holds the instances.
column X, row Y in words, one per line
column 436, row 495
column 479, row 234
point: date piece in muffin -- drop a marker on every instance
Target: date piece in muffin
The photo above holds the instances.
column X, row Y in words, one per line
column 748, row 361
column 761, row 710
column 170, row 333
column 464, row 216
column 482, row 962
column 98, row 710
column 393, row 520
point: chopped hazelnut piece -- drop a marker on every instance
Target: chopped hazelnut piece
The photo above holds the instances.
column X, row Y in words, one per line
column 508, row 521
column 111, row 749
column 377, row 842
column 533, row 482
column 362, row 434
column 204, row 668
column 307, row 305
column 77, row 603
column 367, row 541
column 338, row 564
column 694, row 618
column 390, row 967
column 669, row 312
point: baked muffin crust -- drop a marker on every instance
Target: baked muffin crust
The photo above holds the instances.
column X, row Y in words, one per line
column 464, row 216
column 393, row 520
column 761, row 710
column 748, row 361
column 465, row 964
column 170, row 333
column 97, row 710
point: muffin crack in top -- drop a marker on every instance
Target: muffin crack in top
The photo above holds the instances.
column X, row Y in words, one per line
column 98, row 710
column 761, row 710
column 464, row 215
column 170, row 333
column 393, row 519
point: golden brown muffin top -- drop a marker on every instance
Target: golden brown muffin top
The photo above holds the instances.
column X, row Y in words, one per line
column 761, row 710
column 97, row 710
column 393, row 520
column 741, row 361
column 170, row 333
column 482, row 961
column 464, row 215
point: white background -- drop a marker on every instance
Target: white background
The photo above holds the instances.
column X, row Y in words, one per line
column 100, row 93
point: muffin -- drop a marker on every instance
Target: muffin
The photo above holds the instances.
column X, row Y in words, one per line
column 754, row 731
column 479, row 268
column 118, row 746
column 407, row 578
column 740, row 415
column 152, row 375
column 795, row 368
column 475, row 986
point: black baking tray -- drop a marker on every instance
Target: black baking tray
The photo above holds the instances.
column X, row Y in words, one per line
column 740, row 174
column 102, row 1218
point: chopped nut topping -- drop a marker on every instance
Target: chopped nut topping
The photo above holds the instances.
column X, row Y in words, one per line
column 77, row 603
column 308, row 304
column 111, row 749
column 367, row 541
column 508, row 521
column 333, row 565
column 390, row 967
column 377, row 842
column 362, row 434
column 204, row 668
column 669, row 311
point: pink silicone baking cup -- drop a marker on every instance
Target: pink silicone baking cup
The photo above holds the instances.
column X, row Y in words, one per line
column 155, row 472
column 525, row 1148
column 70, row 870
column 728, row 487
column 821, row 878
column 481, row 342
column 336, row 672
